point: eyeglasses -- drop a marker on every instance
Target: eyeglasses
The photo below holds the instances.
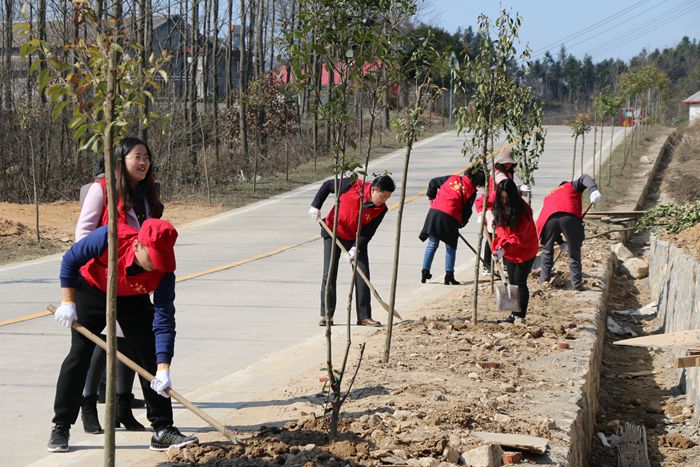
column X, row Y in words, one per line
column 139, row 159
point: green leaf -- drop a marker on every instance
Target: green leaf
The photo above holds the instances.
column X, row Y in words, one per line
column 44, row 79
column 58, row 108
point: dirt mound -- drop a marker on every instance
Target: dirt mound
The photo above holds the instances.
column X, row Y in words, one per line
column 676, row 441
column 11, row 229
column 688, row 240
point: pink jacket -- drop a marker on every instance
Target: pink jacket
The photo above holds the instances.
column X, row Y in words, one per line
column 91, row 213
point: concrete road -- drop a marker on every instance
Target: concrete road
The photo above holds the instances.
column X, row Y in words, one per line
column 242, row 330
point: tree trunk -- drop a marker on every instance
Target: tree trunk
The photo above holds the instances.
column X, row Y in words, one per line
column 111, row 308
column 595, row 139
column 242, row 85
column 397, row 246
column 612, row 135
column 583, row 145
column 215, row 66
column 573, row 163
column 7, row 69
column 480, row 239
column 194, row 65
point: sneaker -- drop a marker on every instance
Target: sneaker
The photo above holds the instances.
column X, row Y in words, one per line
column 170, row 436
column 508, row 320
column 58, row 442
column 485, row 271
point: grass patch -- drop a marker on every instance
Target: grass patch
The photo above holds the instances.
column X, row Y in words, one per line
column 613, row 181
column 241, row 193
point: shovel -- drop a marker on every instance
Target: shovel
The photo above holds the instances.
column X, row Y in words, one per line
column 361, row 273
column 506, row 294
column 149, row 377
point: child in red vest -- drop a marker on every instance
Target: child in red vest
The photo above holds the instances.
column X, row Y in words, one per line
column 515, row 241
column 145, row 264
column 562, row 214
column 372, row 198
column 451, row 200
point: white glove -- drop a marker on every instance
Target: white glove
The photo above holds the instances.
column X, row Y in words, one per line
column 314, row 213
column 524, row 188
column 161, row 382
column 498, row 253
column 478, row 219
column 350, row 255
column 65, row 314
column 564, row 247
column 595, row 196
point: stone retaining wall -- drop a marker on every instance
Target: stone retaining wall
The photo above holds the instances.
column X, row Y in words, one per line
column 581, row 430
column 674, row 280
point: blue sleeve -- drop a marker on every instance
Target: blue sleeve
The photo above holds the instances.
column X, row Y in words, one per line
column 164, row 318
column 91, row 246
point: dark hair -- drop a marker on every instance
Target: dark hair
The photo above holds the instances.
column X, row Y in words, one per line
column 476, row 175
column 510, row 214
column 124, row 190
column 384, row 183
column 502, row 168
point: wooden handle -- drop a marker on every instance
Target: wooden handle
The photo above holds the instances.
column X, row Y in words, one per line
column 149, row 377
column 364, row 277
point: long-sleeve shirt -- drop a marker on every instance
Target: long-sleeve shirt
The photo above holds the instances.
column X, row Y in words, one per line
column 94, row 245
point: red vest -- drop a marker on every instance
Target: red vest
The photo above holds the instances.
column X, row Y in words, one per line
column 350, row 209
column 519, row 244
column 95, row 271
column 121, row 214
column 479, row 203
column 453, row 195
column 564, row 198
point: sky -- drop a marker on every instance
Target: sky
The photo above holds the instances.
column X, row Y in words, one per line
column 601, row 28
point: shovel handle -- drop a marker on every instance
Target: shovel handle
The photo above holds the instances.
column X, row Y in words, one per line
column 149, row 377
column 498, row 262
column 364, row 277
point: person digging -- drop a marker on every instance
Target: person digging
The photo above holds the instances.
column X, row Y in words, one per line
column 372, row 197
column 145, row 264
column 562, row 214
column 451, row 200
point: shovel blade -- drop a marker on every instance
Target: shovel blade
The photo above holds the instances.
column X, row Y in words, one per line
column 507, row 297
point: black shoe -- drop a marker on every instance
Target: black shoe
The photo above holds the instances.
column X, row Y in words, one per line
column 323, row 322
column 508, row 320
column 425, row 275
column 170, row 436
column 88, row 414
column 58, row 442
column 124, row 415
column 450, row 279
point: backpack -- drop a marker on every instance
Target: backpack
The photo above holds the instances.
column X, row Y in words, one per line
column 85, row 188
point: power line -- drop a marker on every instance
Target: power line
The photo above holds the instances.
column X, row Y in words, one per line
column 660, row 17
column 603, row 48
column 588, row 28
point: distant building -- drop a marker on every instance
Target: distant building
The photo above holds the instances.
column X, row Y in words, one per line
column 693, row 108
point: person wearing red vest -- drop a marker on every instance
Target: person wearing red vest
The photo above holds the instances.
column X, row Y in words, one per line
column 562, row 214
column 137, row 200
column 372, row 199
column 515, row 240
column 451, row 200
column 145, row 264
column 503, row 168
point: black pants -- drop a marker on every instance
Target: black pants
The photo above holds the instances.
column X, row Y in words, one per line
column 487, row 255
column 572, row 228
column 96, row 373
column 517, row 275
column 135, row 314
column 362, row 294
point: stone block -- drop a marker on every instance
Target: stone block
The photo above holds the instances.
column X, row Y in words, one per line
column 488, row 455
column 635, row 268
column 621, row 251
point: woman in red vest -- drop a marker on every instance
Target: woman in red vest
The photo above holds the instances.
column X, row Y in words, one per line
column 451, row 200
column 562, row 214
column 353, row 195
column 138, row 199
column 503, row 168
column 515, row 241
